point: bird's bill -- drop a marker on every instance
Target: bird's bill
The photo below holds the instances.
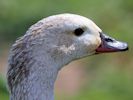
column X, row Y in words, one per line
column 108, row 44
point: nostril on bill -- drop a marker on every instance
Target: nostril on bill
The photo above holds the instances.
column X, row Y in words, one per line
column 108, row 40
column 109, row 44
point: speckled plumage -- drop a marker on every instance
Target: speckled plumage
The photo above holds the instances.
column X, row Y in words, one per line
column 47, row 46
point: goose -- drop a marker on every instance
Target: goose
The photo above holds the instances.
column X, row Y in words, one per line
column 53, row 42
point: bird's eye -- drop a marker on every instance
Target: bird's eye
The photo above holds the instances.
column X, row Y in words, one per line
column 78, row 31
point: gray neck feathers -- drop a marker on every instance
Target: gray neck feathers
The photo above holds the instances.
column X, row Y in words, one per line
column 32, row 71
column 34, row 63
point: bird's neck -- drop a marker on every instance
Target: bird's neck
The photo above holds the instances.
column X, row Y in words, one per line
column 39, row 84
column 42, row 87
column 40, row 72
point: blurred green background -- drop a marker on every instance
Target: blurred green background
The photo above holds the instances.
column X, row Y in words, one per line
column 107, row 76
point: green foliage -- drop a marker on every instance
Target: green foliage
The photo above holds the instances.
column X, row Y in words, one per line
column 4, row 95
column 17, row 16
column 110, row 86
column 114, row 16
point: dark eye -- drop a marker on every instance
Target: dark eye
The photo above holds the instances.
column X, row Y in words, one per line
column 78, row 31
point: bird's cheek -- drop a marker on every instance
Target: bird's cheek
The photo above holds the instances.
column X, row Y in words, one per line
column 98, row 42
column 94, row 44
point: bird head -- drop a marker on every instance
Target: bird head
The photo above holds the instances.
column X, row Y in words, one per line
column 70, row 36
